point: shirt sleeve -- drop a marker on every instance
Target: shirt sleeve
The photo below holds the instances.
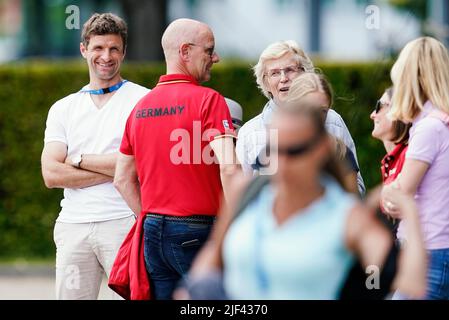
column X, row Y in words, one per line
column 55, row 130
column 336, row 126
column 216, row 117
column 424, row 142
column 350, row 159
column 126, row 145
column 241, row 150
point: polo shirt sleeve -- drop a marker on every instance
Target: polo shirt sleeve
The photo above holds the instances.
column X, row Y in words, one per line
column 336, row 126
column 216, row 118
column 126, row 145
column 350, row 160
column 424, row 143
column 55, row 126
column 241, row 150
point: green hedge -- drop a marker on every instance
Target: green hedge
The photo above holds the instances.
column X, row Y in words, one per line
column 28, row 210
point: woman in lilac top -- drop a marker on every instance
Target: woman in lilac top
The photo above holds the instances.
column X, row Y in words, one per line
column 421, row 82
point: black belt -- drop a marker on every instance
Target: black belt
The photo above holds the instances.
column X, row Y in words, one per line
column 193, row 218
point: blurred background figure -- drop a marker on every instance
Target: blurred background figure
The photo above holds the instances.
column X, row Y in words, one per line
column 421, row 96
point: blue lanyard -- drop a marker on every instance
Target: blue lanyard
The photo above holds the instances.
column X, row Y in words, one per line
column 105, row 90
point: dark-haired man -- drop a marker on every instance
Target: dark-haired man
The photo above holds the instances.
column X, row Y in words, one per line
column 82, row 138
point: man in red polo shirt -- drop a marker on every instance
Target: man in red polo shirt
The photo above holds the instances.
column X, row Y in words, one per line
column 176, row 155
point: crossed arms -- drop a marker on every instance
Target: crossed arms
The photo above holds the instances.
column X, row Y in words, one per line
column 58, row 172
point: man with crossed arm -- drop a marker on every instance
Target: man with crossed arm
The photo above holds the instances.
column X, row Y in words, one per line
column 82, row 139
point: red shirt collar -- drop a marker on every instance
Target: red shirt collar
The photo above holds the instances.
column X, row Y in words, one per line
column 394, row 153
column 177, row 78
column 391, row 164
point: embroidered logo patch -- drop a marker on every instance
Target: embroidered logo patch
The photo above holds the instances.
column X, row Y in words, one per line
column 226, row 124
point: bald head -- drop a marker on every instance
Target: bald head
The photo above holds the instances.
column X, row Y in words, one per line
column 189, row 48
column 182, row 31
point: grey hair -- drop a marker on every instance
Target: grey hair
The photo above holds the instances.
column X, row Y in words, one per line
column 275, row 51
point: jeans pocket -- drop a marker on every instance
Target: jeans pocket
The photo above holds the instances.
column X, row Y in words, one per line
column 184, row 256
column 185, row 248
column 191, row 243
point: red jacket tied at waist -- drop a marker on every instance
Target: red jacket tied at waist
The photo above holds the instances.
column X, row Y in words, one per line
column 128, row 276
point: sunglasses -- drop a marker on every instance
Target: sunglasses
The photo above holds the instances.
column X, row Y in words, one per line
column 292, row 151
column 263, row 161
column 380, row 105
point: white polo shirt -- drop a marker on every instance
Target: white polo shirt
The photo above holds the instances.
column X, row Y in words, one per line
column 86, row 129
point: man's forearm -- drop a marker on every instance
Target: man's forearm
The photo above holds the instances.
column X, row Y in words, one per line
column 126, row 181
column 130, row 191
column 100, row 163
column 227, row 173
column 224, row 150
column 61, row 175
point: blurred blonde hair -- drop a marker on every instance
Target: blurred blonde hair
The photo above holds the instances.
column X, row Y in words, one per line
column 275, row 51
column 421, row 73
column 308, row 83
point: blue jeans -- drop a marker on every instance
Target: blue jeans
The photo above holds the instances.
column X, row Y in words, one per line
column 437, row 276
column 170, row 245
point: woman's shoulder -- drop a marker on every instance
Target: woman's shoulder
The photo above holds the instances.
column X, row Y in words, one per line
column 431, row 116
column 430, row 125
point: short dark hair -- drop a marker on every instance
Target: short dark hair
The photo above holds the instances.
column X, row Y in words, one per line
column 102, row 24
column 400, row 129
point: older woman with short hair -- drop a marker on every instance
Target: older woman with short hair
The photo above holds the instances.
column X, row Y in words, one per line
column 279, row 64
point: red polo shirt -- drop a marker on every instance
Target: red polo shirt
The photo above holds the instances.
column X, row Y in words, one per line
column 392, row 163
column 168, row 133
